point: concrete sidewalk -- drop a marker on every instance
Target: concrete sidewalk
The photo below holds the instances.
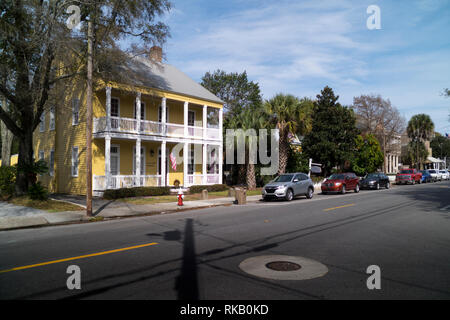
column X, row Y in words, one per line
column 20, row 217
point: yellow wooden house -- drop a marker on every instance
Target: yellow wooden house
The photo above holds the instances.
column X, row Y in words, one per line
column 163, row 129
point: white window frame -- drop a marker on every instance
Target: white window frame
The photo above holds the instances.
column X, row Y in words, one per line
column 118, row 108
column 51, row 163
column 52, row 123
column 191, row 159
column 75, row 111
column 41, row 157
column 118, row 157
column 75, row 162
column 42, row 123
column 195, row 117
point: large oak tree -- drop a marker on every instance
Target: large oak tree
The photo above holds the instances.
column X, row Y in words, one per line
column 37, row 51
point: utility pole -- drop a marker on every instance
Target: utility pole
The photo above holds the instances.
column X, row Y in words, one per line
column 89, row 121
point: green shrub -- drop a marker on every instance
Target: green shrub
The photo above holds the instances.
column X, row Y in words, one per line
column 7, row 180
column 38, row 192
column 136, row 192
column 210, row 188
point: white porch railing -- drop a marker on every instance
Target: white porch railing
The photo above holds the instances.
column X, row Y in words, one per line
column 128, row 125
column 118, row 182
column 194, row 179
column 212, row 179
column 213, row 134
column 197, row 179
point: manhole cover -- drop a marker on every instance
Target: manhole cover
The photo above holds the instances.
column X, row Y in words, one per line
column 278, row 267
column 283, row 266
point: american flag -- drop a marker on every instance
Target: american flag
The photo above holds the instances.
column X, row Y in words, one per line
column 173, row 161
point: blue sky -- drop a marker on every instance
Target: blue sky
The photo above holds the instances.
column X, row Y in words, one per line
column 299, row 47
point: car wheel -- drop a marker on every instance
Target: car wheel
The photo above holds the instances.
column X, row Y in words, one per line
column 357, row 188
column 289, row 195
column 388, row 185
column 310, row 193
column 343, row 191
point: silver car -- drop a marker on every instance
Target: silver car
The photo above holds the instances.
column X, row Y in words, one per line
column 436, row 175
column 288, row 186
column 444, row 174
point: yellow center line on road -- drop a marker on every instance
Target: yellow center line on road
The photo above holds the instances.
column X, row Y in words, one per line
column 79, row 257
column 346, row 206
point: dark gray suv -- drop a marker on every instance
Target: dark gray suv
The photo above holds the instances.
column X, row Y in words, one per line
column 288, row 186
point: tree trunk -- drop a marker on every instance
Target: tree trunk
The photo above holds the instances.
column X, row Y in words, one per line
column 284, row 153
column 251, row 177
column 25, row 159
column 242, row 174
column 7, row 138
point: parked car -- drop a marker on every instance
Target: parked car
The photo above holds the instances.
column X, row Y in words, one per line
column 341, row 182
column 444, row 174
column 408, row 176
column 436, row 175
column 426, row 176
column 375, row 181
column 288, row 186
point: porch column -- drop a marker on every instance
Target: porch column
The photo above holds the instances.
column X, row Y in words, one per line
column 221, row 164
column 185, row 165
column 163, row 164
column 138, row 112
column 221, row 146
column 186, row 116
column 205, row 121
column 392, row 163
column 138, row 162
column 108, row 109
column 164, row 116
column 107, row 161
column 221, row 124
column 204, row 172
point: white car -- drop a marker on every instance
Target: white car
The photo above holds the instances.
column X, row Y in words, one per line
column 445, row 174
column 435, row 174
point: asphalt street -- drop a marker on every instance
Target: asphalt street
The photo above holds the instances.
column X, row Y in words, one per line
column 196, row 254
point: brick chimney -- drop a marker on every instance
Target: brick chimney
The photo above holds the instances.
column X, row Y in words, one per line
column 156, row 54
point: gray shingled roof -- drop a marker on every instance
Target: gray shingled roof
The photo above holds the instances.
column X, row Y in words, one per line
column 143, row 72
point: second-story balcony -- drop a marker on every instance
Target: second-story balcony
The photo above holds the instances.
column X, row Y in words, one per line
column 153, row 128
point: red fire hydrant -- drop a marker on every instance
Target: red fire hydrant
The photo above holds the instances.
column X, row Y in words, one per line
column 180, row 198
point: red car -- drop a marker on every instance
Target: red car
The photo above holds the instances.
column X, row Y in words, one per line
column 408, row 176
column 341, row 182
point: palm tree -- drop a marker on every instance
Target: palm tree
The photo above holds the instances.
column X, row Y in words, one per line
column 420, row 129
column 249, row 118
column 289, row 115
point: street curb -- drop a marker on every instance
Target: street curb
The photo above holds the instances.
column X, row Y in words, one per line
column 55, row 219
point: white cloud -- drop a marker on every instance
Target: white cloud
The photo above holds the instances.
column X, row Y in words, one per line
column 299, row 47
